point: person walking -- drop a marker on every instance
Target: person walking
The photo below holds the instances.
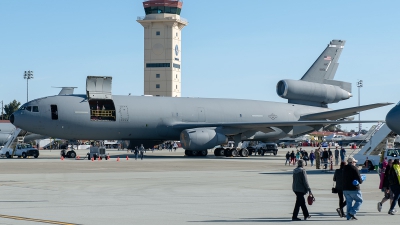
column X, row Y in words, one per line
column 287, row 158
column 305, row 157
column 175, row 146
column 351, row 188
column 141, row 151
column 385, row 186
column 312, row 157
column 136, row 153
column 292, row 158
column 317, row 158
column 298, row 155
column 325, row 156
column 300, row 187
column 342, row 154
column 394, row 172
column 336, row 156
column 338, row 178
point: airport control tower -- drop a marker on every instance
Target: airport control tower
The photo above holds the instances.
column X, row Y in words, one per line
column 162, row 47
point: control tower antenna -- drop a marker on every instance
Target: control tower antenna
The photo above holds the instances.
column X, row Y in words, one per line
column 162, row 47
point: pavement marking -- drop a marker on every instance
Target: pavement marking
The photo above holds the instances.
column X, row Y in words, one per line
column 35, row 220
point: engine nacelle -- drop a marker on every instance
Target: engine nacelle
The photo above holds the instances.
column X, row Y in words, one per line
column 201, row 139
column 312, row 92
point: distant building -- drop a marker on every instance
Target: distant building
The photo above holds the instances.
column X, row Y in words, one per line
column 162, row 47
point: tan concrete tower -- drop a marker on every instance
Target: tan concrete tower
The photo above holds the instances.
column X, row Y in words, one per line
column 162, row 47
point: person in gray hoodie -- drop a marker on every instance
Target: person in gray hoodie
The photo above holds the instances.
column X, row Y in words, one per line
column 300, row 188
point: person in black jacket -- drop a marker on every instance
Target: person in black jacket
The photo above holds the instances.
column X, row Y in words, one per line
column 338, row 178
column 325, row 156
column 386, row 187
column 351, row 188
column 394, row 186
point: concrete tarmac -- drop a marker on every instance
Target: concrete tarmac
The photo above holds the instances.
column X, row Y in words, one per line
column 168, row 188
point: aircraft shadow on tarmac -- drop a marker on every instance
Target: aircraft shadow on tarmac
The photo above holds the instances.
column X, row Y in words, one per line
column 309, row 172
column 315, row 217
column 150, row 155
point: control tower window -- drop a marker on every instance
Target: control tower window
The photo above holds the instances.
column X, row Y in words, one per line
column 162, row 9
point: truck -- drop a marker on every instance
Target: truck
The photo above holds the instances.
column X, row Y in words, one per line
column 261, row 148
column 97, row 152
column 21, row 150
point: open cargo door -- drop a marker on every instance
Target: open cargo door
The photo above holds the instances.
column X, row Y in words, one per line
column 98, row 91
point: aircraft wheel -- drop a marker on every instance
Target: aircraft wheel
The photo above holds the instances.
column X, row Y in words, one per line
column 195, row 153
column 244, row 152
column 235, row 153
column 228, row 152
column 24, row 155
column 216, row 152
column 203, row 153
column 72, row 154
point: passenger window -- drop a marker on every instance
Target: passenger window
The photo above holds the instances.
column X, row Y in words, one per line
column 54, row 112
column 29, row 108
column 35, row 109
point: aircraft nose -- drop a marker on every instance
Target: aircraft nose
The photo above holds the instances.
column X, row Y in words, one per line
column 12, row 118
column 393, row 119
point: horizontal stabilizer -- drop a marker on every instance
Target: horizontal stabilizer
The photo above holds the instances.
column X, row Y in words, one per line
column 341, row 113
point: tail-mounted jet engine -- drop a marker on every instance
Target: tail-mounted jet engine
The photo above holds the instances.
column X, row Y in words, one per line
column 201, row 139
column 299, row 90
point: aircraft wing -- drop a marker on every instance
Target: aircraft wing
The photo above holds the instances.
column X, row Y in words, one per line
column 258, row 125
column 342, row 113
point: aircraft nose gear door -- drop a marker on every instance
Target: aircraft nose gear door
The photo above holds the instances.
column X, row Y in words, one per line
column 98, row 91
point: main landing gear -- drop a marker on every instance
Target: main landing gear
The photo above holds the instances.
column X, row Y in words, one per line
column 196, row 153
column 231, row 152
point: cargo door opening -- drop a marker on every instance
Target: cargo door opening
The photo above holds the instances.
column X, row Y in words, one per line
column 102, row 110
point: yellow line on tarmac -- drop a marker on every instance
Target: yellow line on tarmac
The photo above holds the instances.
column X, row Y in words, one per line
column 35, row 220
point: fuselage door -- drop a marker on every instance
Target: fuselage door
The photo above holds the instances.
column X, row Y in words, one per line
column 124, row 114
column 54, row 112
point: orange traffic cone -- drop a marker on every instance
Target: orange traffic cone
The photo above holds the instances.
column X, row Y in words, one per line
column 92, row 159
column 108, row 157
column 62, row 157
column 118, row 159
column 77, row 157
column 127, row 158
column 99, row 158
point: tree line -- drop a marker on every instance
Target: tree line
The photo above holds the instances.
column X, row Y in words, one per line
column 10, row 108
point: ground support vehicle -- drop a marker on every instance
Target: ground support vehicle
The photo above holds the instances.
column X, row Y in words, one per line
column 22, row 150
column 97, row 152
column 68, row 154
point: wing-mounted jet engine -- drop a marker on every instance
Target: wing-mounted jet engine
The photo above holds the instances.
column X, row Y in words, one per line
column 98, row 91
column 198, row 140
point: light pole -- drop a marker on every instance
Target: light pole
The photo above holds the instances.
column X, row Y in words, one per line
column 28, row 75
column 359, row 85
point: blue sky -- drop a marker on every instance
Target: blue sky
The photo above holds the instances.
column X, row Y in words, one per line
column 230, row 49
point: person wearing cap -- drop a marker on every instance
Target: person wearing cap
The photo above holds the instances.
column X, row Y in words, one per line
column 388, row 194
column 300, row 188
column 351, row 188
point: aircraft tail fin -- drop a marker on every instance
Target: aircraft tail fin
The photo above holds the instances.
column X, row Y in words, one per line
column 323, row 70
column 317, row 87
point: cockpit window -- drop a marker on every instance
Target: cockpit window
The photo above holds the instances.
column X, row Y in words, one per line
column 35, row 109
column 22, row 108
column 29, row 108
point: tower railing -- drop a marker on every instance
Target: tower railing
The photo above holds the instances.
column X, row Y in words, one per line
column 183, row 20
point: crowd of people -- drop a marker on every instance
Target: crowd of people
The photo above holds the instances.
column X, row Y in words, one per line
column 326, row 156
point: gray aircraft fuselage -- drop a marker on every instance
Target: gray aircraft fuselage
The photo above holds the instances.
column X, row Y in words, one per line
column 150, row 118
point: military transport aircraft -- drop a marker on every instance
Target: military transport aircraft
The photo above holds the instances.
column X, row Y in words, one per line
column 393, row 119
column 199, row 123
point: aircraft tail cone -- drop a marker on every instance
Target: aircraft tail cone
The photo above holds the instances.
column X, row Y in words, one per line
column 118, row 159
column 127, row 157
